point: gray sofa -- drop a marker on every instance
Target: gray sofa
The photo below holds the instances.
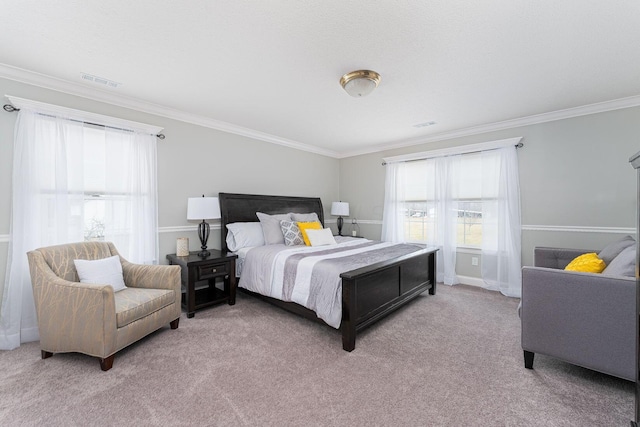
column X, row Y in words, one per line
column 586, row 319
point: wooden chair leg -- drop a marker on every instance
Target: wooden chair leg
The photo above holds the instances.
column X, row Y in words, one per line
column 174, row 323
column 528, row 359
column 107, row 363
column 45, row 354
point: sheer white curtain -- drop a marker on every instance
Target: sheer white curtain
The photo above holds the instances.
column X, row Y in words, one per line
column 57, row 164
column 443, row 187
column 131, row 208
column 446, row 183
column 393, row 225
column 407, row 183
column 501, row 222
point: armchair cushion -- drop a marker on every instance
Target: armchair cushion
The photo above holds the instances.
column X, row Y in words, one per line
column 106, row 271
column 135, row 303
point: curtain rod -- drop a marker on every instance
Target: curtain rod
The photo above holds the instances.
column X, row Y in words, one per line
column 518, row 145
column 10, row 109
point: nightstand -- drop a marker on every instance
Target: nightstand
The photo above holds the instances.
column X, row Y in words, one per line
column 199, row 277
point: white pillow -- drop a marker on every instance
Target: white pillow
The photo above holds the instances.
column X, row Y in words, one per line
column 106, row 271
column 271, row 227
column 321, row 237
column 244, row 235
column 305, row 217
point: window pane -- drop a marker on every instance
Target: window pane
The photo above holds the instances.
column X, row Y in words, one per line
column 469, row 227
column 419, row 221
column 93, row 218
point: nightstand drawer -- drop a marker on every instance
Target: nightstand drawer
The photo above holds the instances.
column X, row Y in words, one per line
column 211, row 271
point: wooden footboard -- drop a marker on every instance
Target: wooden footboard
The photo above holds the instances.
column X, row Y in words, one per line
column 371, row 293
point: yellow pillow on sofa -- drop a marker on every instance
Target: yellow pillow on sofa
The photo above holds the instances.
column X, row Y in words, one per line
column 304, row 226
column 587, row 263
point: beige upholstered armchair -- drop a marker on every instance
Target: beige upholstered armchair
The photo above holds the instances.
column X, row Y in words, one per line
column 93, row 319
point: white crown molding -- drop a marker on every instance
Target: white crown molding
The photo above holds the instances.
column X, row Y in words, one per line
column 600, row 107
column 76, row 89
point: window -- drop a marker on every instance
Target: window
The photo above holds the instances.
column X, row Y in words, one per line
column 105, row 196
column 93, row 183
column 464, row 196
column 467, row 203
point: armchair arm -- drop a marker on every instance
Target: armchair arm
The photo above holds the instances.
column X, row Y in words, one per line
column 583, row 318
column 151, row 276
column 72, row 316
column 556, row 257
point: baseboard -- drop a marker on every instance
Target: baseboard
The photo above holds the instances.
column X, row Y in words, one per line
column 473, row 281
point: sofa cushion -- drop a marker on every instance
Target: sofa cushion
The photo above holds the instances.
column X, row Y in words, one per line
column 586, row 263
column 624, row 264
column 612, row 250
column 135, row 303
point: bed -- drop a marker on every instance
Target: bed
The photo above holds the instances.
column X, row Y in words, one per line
column 368, row 293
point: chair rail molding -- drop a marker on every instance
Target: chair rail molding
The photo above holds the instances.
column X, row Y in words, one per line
column 4, row 238
column 579, row 229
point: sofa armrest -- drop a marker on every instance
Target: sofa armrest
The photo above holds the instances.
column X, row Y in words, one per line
column 152, row 276
column 72, row 316
column 583, row 318
column 556, row 257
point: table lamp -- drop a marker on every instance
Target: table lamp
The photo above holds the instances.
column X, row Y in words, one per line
column 340, row 209
column 203, row 208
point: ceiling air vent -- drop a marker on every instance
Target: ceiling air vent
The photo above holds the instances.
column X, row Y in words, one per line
column 424, row 125
column 99, row 80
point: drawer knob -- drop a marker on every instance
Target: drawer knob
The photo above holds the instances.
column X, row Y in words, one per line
column 214, row 270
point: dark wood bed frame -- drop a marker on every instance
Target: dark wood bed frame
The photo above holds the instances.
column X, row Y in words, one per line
column 369, row 293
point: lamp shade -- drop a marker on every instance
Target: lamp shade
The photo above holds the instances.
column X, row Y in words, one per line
column 200, row 208
column 340, row 208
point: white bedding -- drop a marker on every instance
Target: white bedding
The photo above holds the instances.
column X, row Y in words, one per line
column 310, row 276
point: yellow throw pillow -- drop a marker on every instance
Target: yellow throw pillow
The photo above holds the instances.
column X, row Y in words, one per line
column 304, row 226
column 587, row 263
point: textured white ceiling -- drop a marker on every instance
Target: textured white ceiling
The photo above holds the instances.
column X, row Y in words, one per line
column 274, row 66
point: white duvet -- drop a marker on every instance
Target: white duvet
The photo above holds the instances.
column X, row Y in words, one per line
column 310, row 276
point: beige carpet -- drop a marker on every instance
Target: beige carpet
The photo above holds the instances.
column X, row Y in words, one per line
column 446, row 360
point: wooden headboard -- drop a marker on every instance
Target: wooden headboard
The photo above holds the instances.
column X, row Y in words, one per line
column 243, row 208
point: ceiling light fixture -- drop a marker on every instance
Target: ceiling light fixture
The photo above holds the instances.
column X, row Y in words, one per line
column 360, row 83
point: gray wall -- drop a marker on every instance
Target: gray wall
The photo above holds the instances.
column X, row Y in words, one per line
column 573, row 173
column 192, row 160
